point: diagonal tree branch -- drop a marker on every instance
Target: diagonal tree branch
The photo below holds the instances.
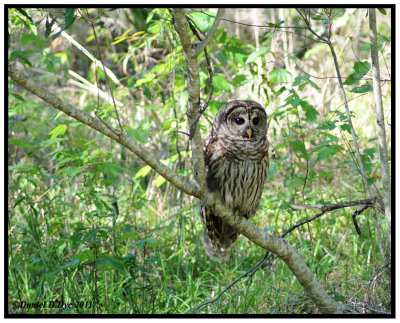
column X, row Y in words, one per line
column 283, row 250
column 187, row 186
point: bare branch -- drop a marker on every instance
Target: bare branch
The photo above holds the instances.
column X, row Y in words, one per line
column 198, row 48
column 380, row 121
column 331, row 207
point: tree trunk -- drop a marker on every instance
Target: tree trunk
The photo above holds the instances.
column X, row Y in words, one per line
column 380, row 121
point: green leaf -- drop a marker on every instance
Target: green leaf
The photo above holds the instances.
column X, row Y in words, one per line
column 311, row 112
column 325, row 174
column 325, row 20
column 382, row 11
column 72, row 171
column 362, row 89
column 20, row 143
column 360, row 69
column 299, row 79
column 325, row 152
column 18, row 97
column 369, row 152
column 86, row 255
column 292, row 183
column 21, row 56
column 253, row 56
column 147, row 79
column 49, row 24
column 111, row 169
column 49, row 142
column 37, row 40
column 345, row 127
column 240, row 80
column 25, row 14
column 151, row 241
column 280, row 91
column 105, row 261
column 278, row 75
column 327, row 125
column 69, row 18
column 299, row 146
column 89, row 235
column 143, row 172
column 202, row 20
column 237, row 54
column 59, row 130
column 159, row 181
column 146, row 92
column 72, row 264
column 221, row 84
column 215, row 106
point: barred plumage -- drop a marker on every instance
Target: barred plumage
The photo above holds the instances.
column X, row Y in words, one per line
column 236, row 159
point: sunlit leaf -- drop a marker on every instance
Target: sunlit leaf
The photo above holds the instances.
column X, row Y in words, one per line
column 278, row 75
column 59, row 130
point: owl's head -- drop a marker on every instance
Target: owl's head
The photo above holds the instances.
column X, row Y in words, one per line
column 242, row 119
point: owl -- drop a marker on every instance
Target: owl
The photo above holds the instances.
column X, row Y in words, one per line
column 236, row 161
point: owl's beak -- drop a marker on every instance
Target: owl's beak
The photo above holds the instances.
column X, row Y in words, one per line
column 249, row 132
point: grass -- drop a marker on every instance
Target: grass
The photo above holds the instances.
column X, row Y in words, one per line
column 80, row 255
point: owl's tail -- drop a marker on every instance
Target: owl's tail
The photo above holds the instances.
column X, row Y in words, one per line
column 218, row 237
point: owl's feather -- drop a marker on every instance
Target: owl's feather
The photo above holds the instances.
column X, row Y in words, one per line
column 236, row 168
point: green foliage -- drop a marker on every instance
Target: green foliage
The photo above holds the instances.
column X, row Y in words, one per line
column 88, row 221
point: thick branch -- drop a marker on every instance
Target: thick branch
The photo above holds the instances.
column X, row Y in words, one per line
column 193, row 110
column 189, row 187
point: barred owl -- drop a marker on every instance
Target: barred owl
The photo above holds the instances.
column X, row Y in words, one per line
column 236, row 160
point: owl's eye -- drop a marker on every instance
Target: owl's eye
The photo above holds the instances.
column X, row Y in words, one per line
column 256, row 121
column 239, row 120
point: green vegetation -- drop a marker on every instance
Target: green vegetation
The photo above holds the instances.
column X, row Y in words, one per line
column 90, row 224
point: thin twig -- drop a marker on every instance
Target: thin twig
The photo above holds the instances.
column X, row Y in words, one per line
column 353, row 216
column 330, row 207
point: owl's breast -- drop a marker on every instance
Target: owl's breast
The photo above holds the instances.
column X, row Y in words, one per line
column 242, row 184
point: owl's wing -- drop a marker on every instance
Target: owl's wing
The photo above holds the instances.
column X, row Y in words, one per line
column 214, row 154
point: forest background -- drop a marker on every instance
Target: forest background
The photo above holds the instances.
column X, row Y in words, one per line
column 91, row 224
